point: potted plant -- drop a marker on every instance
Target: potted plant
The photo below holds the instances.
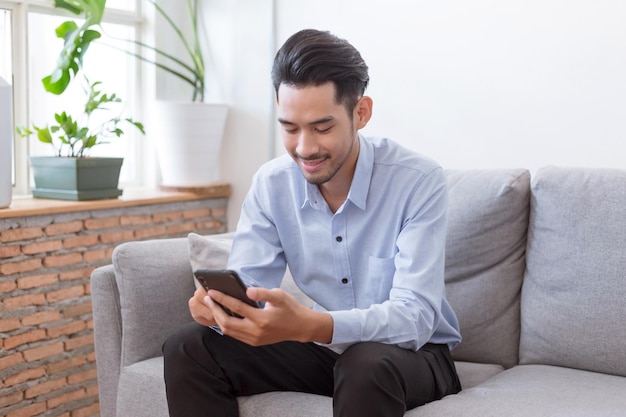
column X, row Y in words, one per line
column 189, row 133
column 71, row 174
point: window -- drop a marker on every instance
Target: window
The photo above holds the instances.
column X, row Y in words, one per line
column 28, row 51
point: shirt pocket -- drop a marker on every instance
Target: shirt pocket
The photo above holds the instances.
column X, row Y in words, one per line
column 380, row 278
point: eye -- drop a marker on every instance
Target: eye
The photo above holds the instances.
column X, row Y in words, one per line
column 322, row 131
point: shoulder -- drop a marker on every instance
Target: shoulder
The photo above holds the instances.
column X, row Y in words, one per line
column 393, row 158
column 277, row 169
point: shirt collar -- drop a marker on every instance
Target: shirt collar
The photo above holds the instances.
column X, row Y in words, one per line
column 360, row 182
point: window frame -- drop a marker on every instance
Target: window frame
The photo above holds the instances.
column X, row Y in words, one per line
column 20, row 67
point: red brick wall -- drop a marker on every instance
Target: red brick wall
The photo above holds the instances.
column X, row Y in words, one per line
column 47, row 359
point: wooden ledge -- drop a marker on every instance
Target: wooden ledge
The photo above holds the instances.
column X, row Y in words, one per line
column 131, row 197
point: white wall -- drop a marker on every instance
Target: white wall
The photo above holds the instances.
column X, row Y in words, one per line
column 473, row 84
column 488, row 83
column 240, row 53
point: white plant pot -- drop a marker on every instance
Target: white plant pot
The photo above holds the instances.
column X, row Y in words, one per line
column 6, row 143
column 188, row 141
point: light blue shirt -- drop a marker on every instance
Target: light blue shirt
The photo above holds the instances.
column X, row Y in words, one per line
column 376, row 265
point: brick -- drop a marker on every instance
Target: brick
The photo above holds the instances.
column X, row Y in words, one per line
column 43, row 351
column 66, row 329
column 26, row 233
column 77, row 310
column 24, row 301
column 66, row 398
column 81, row 377
column 150, row 232
column 10, row 251
column 11, row 398
column 62, row 260
column 19, row 267
column 177, row 229
column 94, row 255
column 171, row 216
column 11, row 360
column 25, row 375
column 117, row 236
column 7, row 286
column 195, row 213
column 80, row 241
column 65, row 293
column 24, row 338
column 91, row 410
column 41, row 317
column 92, row 390
column 137, row 220
column 209, row 225
column 105, row 223
column 81, row 273
column 64, row 228
column 64, row 365
column 36, row 281
column 42, row 247
column 218, row 212
column 29, row 410
column 80, row 341
column 45, row 387
column 6, row 325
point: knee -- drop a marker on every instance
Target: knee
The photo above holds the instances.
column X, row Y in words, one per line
column 186, row 341
column 364, row 364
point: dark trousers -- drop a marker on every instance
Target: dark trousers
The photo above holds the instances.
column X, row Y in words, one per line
column 205, row 372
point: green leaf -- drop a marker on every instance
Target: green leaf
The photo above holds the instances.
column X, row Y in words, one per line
column 44, row 135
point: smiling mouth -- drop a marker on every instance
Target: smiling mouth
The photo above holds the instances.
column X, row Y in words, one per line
column 312, row 165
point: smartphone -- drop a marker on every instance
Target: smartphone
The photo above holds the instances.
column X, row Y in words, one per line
column 226, row 281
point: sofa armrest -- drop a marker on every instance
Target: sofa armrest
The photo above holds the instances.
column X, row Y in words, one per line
column 107, row 334
column 155, row 282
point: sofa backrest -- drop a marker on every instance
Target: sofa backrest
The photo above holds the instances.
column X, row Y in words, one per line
column 574, row 294
column 485, row 246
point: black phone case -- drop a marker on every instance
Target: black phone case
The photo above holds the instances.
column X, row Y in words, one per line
column 226, row 281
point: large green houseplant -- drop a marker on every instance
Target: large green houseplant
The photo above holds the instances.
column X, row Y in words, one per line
column 188, row 134
column 71, row 174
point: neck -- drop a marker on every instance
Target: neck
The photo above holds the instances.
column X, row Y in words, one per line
column 335, row 191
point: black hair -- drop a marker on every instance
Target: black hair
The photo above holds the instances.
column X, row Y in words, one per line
column 313, row 57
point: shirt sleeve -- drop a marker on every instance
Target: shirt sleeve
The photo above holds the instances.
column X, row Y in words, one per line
column 257, row 254
column 417, row 297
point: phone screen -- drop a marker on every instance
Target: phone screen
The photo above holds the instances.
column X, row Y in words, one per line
column 226, row 281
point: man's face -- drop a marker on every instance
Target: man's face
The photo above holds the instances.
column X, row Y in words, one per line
column 317, row 132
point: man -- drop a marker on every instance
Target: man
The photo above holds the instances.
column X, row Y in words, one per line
column 361, row 224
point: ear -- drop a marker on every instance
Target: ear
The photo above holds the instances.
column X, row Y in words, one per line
column 363, row 112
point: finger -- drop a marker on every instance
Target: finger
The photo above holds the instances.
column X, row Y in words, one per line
column 231, row 303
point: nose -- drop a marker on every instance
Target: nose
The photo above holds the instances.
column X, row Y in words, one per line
column 307, row 144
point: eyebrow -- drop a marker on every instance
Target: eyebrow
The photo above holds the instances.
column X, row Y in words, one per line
column 313, row 123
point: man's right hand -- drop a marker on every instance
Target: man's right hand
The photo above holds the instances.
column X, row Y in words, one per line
column 200, row 312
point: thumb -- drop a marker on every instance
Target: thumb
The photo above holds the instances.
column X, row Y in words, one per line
column 263, row 294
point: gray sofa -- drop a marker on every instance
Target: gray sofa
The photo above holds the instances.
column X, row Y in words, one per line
column 536, row 272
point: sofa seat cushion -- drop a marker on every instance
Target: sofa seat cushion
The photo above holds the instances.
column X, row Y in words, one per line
column 538, row 391
column 141, row 393
column 141, row 390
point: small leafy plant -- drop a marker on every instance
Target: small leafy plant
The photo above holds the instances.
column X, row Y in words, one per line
column 72, row 137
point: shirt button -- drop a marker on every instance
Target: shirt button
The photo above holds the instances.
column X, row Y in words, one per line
column 338, row 238
column 344, row 280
